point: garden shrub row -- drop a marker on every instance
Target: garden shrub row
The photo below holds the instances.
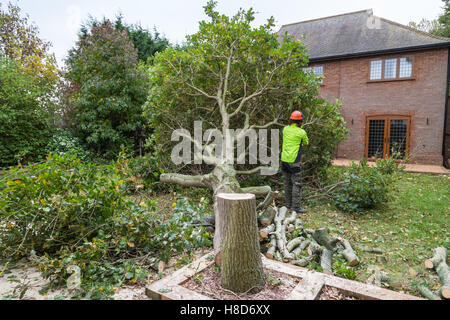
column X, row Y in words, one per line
column 73, row 213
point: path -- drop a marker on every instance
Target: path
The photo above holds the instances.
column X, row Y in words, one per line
column 414, row 168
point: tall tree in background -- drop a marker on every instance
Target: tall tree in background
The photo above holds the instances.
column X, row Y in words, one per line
column 444, row 21
column 19, row 41
column 144, row 41
column 111, row 89
column 24, row 125
column 28, row 75
column 438, row 27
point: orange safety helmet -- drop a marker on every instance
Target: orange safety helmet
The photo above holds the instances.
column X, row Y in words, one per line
column 297, row 115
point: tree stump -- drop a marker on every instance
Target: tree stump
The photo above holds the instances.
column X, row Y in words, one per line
column 241, row 265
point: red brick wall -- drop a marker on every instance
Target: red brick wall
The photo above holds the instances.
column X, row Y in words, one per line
column 421, row 98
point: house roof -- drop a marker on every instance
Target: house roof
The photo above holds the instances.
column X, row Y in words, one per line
column 358, row 33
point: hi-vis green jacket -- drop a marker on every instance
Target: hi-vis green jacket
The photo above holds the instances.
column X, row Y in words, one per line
column 293, row 138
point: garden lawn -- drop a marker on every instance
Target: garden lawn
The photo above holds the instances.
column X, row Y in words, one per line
column 407, row 229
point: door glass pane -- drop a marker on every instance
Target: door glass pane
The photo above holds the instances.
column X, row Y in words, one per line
column 376, row 138
column 397, row 141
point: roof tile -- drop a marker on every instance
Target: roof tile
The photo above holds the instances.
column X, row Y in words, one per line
column 356, row 33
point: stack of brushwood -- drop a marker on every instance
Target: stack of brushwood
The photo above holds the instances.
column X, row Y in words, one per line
column 283, row 238
column 439, row 264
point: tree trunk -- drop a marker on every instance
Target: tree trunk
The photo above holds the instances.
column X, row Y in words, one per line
column 241, row 265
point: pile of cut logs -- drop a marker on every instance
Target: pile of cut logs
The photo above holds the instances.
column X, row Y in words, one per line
column 439, row 264
column 277, row 226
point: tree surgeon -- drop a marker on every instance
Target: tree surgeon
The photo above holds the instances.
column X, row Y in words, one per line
column 294, row 137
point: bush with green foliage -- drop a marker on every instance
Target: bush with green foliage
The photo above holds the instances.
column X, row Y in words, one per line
column 64, row 142
column 362, row 187
column 24, row 126
column 69, row 212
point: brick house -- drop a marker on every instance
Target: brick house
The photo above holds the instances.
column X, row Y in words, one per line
column 393, row 81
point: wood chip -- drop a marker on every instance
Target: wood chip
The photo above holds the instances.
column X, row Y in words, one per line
column 161, row 266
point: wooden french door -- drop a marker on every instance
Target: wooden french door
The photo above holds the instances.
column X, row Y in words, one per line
column 387, row 136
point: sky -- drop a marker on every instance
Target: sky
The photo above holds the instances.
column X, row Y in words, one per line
column 60, row 20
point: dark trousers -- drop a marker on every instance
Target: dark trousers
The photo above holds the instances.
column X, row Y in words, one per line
column 292, row 183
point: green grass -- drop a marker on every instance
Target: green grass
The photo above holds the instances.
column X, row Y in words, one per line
column 407, row 229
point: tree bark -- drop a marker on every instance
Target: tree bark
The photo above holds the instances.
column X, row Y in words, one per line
column 241, row 265
column 267, row 216
column 264, row 233
column 294, row 243
column 323, row 238
column 270, row 198
column 272, row 247
column 371, row 249
column 300, row 248
column 280, row 233
column 325, row 261
column 348, row 253
column 427, row 293
column 440, row 254
column 439, row 263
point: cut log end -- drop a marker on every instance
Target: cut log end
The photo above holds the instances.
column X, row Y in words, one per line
column 236, row 196
column 429, row 264
column 445, row 293
column 218, row 259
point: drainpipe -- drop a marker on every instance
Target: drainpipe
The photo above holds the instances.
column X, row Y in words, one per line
column 446, row 112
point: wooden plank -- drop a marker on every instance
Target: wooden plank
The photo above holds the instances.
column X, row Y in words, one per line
column 309, row 288
column 366, row 291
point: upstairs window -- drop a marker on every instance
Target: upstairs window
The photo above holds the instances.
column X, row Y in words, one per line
column 391, row 69
column 317, row 71
column 405, row 67
column 375, row 69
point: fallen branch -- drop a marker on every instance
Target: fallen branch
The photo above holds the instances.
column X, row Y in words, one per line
column 272, row 247
column 439, row 263
column 323, row 238
column 427, row 293
column 302, row 262
column 348, row 253
column 294, row 243
column 185, row 180
column 371, row 250
column 314, row 249
column 257, row 191
column 271, row 196
column 267, row 216
column 325, row 261
column 264, row 233
column 380, row 277
column 440, row 254
column 301, row 247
